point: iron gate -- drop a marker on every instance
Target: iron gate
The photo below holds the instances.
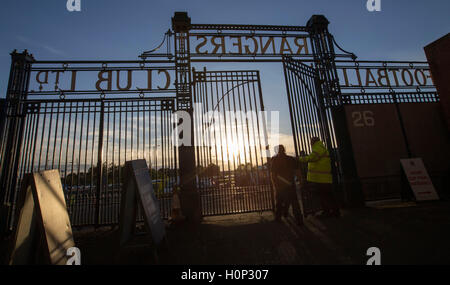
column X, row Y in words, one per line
column 230, row 137
column 87, row 133
column 310, row 117
column 89, row 142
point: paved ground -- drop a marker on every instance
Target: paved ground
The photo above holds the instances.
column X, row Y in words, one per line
column 406, row 233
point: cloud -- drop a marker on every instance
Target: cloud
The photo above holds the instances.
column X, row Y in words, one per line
column 53, row 50
column 48, row 48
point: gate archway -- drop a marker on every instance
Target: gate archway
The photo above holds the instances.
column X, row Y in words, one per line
column 316, row 79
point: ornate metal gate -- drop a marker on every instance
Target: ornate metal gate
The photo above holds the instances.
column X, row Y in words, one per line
column 87, row 135
column 230, row 138
column 310, row 117
column 309, row 114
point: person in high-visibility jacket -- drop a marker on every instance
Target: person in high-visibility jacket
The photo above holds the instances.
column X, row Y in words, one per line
column 320, row 178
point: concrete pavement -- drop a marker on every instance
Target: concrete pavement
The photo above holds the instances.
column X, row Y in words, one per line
column 406, row 233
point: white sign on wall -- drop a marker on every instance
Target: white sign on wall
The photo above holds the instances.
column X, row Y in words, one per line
column 419, row 180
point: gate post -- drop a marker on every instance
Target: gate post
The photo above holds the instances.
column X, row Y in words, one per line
column 324, row 58
column 189, row 196
column 11, row 142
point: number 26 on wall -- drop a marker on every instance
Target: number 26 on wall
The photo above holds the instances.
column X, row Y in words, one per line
column 363, row 119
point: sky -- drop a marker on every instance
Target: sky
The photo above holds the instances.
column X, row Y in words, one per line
column 119, row 30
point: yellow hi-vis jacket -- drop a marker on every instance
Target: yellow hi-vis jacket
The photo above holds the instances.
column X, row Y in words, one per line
column 319, row 164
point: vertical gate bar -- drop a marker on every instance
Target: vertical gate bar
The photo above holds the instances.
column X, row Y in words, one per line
column 36, row 127
column 261, row 188
column 253, row 185
column 85, row 187
column 144, row 106
column 115, row 183
column 120, row 152
column 156, row 140
column 267, row 147
column 252, row 191
column 240, row 144
column 149, row 136
column 92, row 196
column 25, row 144
column 99, row 165
column 216, row 154
column 63, row 123
column 163, row 152
column 245, row 130
column 225, row 200
column 205, row 105
column 246, row 138
column 289, row 95
column 72, row 184
column 223, row 128
column 204, row 100
column 168, row 188
column 212, row 120
column 256, row 173
column 201, row 162
column 25, row 151
column 126, row 136
column 33, row 134
column 234, row 204
column 138, row 129
column 56, row 133
column 167, row 180
column 212, row 204
column 247, row 122
column 49, row 134
column 209, row 95
column 234, row 80
column 232, row 169
column 108, row 206
column 197, row 133
column 132, row 129
column 257, row 189
column 44, row 114
column 162, row 171
column 79, row 188
column 119, row 175
column 66, row 182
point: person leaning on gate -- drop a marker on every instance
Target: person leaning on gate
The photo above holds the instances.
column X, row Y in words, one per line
column 283, row 170
column 320, row 178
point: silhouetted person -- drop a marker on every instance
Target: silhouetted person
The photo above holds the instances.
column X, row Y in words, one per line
column 282, row 170
column 320, row 178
